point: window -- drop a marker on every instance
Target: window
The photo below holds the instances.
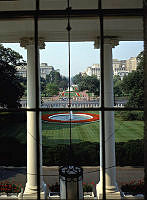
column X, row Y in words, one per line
column 111, row 22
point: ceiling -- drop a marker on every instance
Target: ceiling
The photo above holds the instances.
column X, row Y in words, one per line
column 83, row 29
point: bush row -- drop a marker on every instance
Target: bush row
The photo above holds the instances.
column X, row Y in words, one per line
column 87, row 154
column 127, row 153
column 132, row 115
column 133, row 187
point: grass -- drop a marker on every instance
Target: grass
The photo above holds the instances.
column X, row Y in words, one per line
column 59, row 133
column 13, row 134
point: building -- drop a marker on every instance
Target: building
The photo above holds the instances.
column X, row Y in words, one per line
column 124, row 67
column 22, row 71
column 44, row 70
column 93, row 70
column 131, row 64
column 120, row 68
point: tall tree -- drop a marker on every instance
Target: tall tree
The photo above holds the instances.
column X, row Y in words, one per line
column 55, row 78
column 52, row 89
column 117, row 86
column 90, row 83
column 77, row 79
column 10, row 88
column 133, row 84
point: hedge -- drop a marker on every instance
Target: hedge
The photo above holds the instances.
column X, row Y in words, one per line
column 127, row 153
column 87, row 154
column 132, row 115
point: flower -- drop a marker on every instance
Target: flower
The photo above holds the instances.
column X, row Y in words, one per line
column 92, row 183
column 133, row 187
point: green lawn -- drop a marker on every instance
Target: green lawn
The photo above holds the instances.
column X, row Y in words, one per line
column 59, row 133
column 13, row 134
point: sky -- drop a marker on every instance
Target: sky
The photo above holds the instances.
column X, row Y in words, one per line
column 83, row 54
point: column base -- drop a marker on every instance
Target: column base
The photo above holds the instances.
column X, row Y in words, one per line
column 112, row 192
column 31, row 193
column 114, row 195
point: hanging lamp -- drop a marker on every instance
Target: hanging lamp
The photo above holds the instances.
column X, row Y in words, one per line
column 70, row 176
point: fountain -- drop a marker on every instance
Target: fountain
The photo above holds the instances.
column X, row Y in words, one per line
column 70, row 117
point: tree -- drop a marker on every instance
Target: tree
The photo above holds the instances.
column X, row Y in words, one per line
column 23, row 82
column 43, row 86
column 57, row 79
column 90, row 83
column 52, row 89
column 117, row 82
column 77, row 79
column 53, row 77
column 10, row 88
column 64, row 83
column 133, row 84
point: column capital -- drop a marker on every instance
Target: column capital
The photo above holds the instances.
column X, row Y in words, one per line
column 24, row 42
column 113, row 41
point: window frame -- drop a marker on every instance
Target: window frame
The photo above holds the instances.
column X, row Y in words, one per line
column 91, row 13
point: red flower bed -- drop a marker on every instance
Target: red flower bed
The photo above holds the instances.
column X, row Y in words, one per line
column 94, row 117
column 10, row 187
column 133, row 188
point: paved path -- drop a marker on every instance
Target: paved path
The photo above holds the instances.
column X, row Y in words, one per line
column 91, row 174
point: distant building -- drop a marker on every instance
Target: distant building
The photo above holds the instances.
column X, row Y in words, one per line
column 44, row 70
column 124, row 67
column 120, row 68
column 131, row 64
column 93, row 70
column 22, row 71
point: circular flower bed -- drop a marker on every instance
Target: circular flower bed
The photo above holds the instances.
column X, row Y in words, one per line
column 92, row 117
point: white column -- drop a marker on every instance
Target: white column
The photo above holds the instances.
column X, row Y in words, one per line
column 110, row 163
column 31, row 185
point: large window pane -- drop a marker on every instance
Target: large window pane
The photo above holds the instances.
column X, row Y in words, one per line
column 124, row 36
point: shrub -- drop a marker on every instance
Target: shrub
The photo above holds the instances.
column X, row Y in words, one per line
column 6, row 187
column 132, row 115
column 87, row 187
column 133, row 187
column 55, row 187
column 126, row 153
